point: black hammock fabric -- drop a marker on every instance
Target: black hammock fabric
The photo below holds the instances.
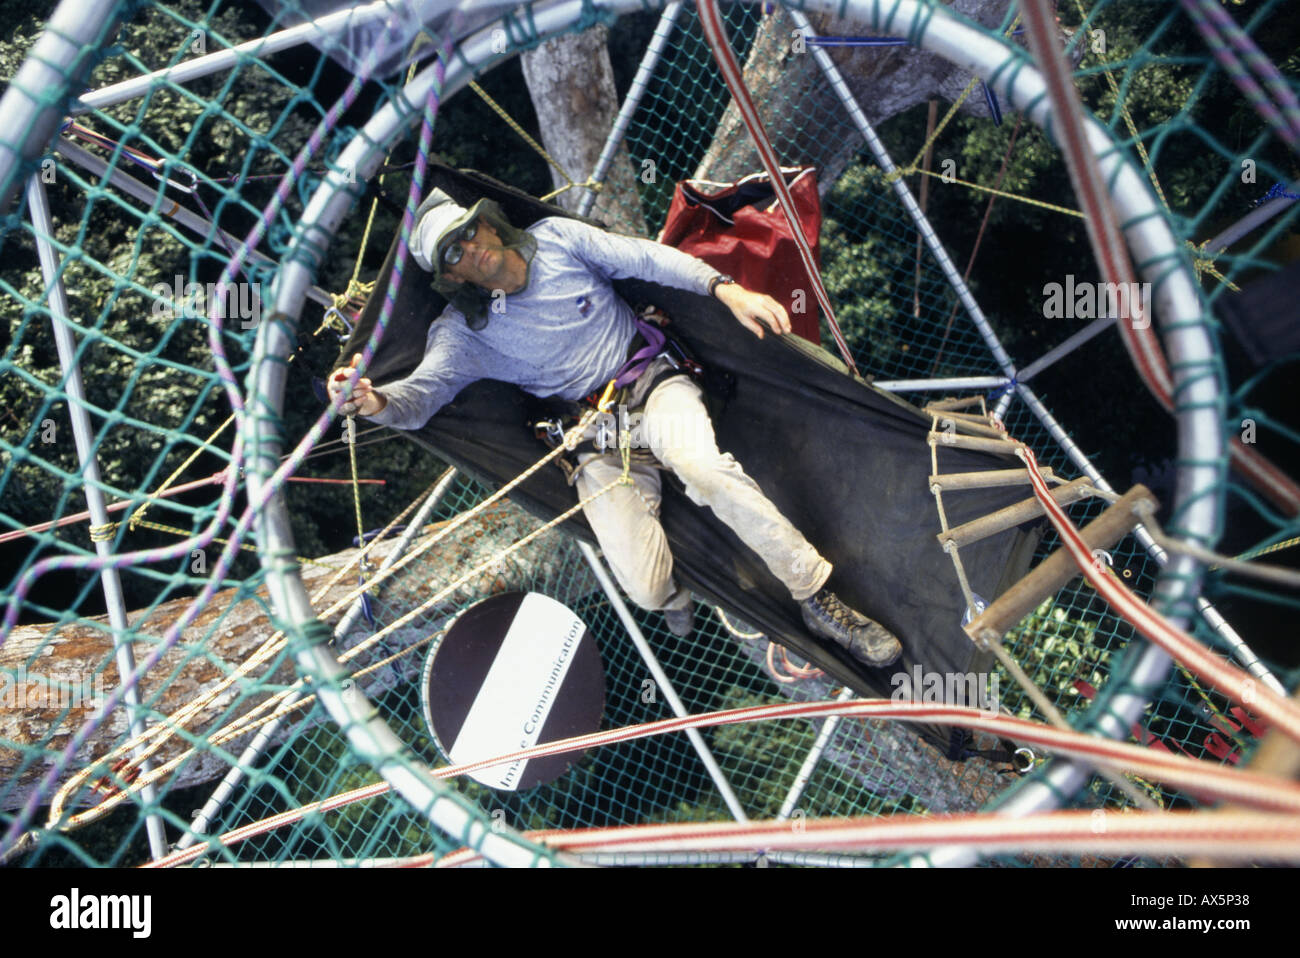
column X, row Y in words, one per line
column 847, row 463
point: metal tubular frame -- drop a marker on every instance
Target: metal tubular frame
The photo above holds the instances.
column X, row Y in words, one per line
column 811, row 759
column 937, row 385
column 1023, row 88
column 43, row 228
column 1149, row 235
column 1095, row 328
column 661, row 679
column 650, row 60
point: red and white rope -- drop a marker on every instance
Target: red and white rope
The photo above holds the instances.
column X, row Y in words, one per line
column 1208, row 781
column 716, row 33
column 793, row 672
column 1240, row 836
column 1112, row 252
column 1225, row 678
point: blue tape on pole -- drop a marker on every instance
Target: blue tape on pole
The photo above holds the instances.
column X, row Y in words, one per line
column 991, row 99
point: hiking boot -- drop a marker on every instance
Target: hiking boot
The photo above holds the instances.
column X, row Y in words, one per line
column 680, row 622
column 867, row 640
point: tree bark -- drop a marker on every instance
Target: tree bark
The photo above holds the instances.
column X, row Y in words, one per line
column 227, row 632
column 805, row 120
column 571, row 83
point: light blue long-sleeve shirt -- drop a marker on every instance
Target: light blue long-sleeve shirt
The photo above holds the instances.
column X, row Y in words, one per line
column 564, row 334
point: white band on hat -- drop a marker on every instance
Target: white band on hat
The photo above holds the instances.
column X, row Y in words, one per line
column 424, row 241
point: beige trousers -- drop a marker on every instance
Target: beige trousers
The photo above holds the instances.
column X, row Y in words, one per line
column 675, row 427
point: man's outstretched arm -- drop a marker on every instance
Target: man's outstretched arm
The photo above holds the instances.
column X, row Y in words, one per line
column 616, row 256
column 448, row 366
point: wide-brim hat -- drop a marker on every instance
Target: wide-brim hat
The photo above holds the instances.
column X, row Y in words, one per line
column 438, row 217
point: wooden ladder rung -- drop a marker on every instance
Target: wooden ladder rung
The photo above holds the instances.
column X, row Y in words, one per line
column 1047, row 578
column 966, row 416
column 943, row 405
column 1005, row 518
column 975, row 426
column 1004, row 446
column 949, row 481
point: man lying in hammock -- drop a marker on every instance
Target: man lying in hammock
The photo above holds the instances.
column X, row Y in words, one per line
column 536, row 308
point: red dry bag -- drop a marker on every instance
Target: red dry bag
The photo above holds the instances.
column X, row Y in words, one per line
column 739, row 229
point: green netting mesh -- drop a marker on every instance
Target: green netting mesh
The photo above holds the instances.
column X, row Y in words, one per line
column 134, row 189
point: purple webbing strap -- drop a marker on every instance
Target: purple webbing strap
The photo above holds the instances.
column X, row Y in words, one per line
column 634, row 367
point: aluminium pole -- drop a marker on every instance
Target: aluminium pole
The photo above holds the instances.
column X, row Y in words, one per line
column 39, row 207
column 661, row 678
column 230, row 58
column 649, row 61
column 904, row 194
column 146, row 194
column 60, row 61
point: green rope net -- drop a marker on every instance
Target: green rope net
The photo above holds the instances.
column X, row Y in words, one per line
column 134, row 189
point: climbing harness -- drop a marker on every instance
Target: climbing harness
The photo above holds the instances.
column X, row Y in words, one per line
column 616, row 422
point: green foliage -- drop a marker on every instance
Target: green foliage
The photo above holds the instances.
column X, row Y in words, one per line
column 149, row 380
column 859, row 265
column 1056, row 650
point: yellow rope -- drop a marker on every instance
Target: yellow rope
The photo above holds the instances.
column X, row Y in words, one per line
column 365, row 242
column 350, row 433
column 588, row 184
column 1002, row 193
column 1265, row 550
column 510, row 122
column 541, row 150
column 1128, row 119
column 164, row 730
column 625, row 449
column 160, row 527
column 1203, row 262
column 914, row 167
column 355, row 288
column 205, row 445
column 726, row 624
column 246, row 723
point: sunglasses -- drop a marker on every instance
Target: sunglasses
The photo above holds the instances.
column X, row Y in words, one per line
column 454, row 252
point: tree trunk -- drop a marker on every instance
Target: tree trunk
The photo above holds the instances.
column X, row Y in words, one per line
column 805, row 120
column 571, row 84
column 228, row 631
